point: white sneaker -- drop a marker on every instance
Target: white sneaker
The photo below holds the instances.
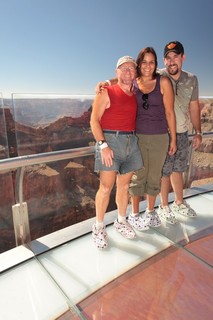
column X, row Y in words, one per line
column 166, row 214
column 184, row 209
column 124, row 229
column 138, row 222
column 152, row 218
column 100, row 237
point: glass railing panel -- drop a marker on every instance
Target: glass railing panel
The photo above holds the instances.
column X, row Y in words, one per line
column 3, row 133
column 46, row 123
column 62, row 193
column 7, row 238
column 201, row 161
column 58, row 194
column 200, row 174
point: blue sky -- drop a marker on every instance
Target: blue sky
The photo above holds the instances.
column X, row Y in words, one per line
column 67, row 46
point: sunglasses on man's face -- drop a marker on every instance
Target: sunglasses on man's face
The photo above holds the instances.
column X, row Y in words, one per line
column 145, row 101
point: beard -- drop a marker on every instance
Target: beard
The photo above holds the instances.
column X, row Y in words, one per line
column 173, row 71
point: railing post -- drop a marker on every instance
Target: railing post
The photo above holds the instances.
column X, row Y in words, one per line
column 21, row 223
column 20, row 211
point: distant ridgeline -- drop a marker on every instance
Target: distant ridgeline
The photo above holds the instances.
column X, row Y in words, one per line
column 43, row 125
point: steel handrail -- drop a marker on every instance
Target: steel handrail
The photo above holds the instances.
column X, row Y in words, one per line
column 46, row 157
column 21, row 162
column 40, row 158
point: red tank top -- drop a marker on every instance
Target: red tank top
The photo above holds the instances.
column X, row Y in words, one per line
column 121, row 115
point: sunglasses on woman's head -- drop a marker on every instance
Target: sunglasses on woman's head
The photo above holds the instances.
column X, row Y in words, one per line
column 145, row 101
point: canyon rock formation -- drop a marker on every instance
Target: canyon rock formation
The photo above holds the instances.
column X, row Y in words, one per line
column 59, row 194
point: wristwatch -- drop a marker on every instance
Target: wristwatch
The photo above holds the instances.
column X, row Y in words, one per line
column 101, row 142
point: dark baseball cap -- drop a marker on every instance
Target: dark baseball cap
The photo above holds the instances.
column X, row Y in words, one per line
column 173, row 46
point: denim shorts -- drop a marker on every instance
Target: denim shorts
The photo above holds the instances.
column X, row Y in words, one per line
column 179, row 161
column 127, row 155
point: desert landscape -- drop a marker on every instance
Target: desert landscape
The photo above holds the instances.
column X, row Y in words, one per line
column 63, row 193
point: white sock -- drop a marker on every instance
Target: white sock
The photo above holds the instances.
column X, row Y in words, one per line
column 121, row 219
column 150, row 211
column 134, row 214
column 99, row 225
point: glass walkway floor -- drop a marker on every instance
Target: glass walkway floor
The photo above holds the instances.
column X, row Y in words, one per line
column 164, row 274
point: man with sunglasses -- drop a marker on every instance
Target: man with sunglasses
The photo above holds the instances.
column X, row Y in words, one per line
column 187, row 108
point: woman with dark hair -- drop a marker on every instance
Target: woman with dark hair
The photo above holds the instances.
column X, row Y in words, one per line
column 155, row 119
column 140, row 60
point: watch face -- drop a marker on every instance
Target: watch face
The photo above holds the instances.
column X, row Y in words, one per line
column 100, row 142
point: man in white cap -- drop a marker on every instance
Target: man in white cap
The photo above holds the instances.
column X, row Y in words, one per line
column 113, row 121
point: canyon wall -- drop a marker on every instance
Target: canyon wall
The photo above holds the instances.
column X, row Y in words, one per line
column 63, row 193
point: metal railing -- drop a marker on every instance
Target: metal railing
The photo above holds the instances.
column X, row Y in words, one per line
column 188, row 172
column 20, row 211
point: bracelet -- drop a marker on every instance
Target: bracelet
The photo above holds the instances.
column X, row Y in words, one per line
column 103, row 146
column 109, row 82
column 199, row 134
